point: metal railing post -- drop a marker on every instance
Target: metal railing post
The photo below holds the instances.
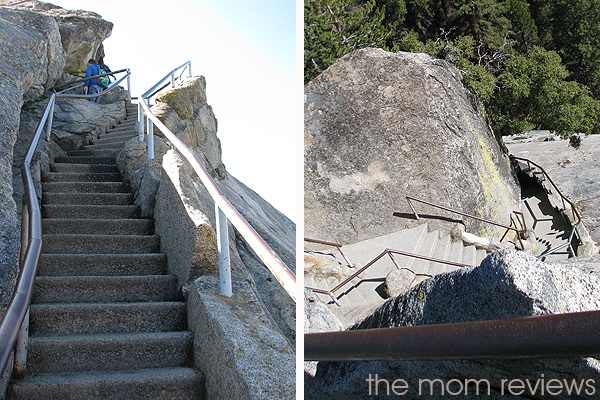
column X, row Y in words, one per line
column 223, row 246
column 49, row 123
column 173, row 80
column 140, row 121
column 150, row 139
column 21, row 349
column 189, row 70
column 129, row 84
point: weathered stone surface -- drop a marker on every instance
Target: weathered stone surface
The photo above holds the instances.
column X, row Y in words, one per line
column 317, row 318
column 184, row 111
column 180, row 217
column 380, row 126
column 30, row 56
column 30, row 48
column 506, row 285
column 574, row 171
column 82, row 33
column 242, row 354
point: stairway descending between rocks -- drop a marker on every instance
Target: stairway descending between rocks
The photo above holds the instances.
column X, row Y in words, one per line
column 106, row 322
column 366, row 290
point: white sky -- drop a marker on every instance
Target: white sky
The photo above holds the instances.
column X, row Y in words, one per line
column 246, row 50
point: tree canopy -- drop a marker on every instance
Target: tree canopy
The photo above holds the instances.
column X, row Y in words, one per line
column 534, row 63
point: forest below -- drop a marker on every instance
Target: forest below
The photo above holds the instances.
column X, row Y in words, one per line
column 535, row 64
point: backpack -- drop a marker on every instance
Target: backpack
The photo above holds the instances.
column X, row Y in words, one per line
column 102, row 81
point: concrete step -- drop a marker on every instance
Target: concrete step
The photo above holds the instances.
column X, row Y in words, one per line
column 106, row 160
column 84, row 168
column 442, row 252
column 87, row 198
column 121, row 129
column 118, row 140
column 99, row 152
column 101, row 264
column 87, row 318
column 106, row 145
column 86, row 187
column 456, row 252
column 155, row 383
column 81, row 177
column 480, row 255
column 99, row 244
column 108, row 351
column 98, row 289
column 427, row 247
column 98, row 226
column 90, row 211
column 470, row 255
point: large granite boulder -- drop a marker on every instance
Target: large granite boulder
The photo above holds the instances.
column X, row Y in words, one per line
column 379, row 126
column 184, row 110
column 82, row 33
column 505, row 285
column 30, row 57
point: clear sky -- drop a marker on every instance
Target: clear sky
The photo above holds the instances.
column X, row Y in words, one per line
column 246, row 50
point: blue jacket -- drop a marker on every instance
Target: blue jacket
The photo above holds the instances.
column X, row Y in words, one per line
column 92, row 70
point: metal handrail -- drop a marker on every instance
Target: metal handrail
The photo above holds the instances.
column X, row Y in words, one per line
column 558, row 335
column 401, row 253
column 507, row 227
column 19, row 305
column 389, row 252
column 336, row 245
column 576, row 217
column 223, row 210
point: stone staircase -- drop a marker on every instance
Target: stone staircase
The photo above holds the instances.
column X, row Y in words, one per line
column 106, row 322
column 368, row 288
column 548, row 225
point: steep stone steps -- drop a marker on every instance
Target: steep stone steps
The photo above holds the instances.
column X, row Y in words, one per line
column 98, row 226
column 108, row 351
column 106, row 322
column 90, row 211
column 368, row 288
column 84, row 168
column 153, row 383
column 53, row 319
column 88, row 198
column 102, row 264
column 81, row 177
column 97, row 289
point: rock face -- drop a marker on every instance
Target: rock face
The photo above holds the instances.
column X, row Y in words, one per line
column 35, row 46
column 185, row 111
column 380, row 126
column 30, row 57
column 506, row 285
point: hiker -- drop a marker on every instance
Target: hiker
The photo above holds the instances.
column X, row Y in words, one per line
column 91, row 86
column 102, row 65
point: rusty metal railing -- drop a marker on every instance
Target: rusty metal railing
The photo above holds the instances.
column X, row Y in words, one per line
column 16, row 319
column 521, row 220
column 576, row 220
column 558, row 335
column 225, row 212
column 389, row 252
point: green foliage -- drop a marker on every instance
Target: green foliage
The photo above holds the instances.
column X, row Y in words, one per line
column 333, row 28
column 533, row 93
column 573, row 30
column 534, row 63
